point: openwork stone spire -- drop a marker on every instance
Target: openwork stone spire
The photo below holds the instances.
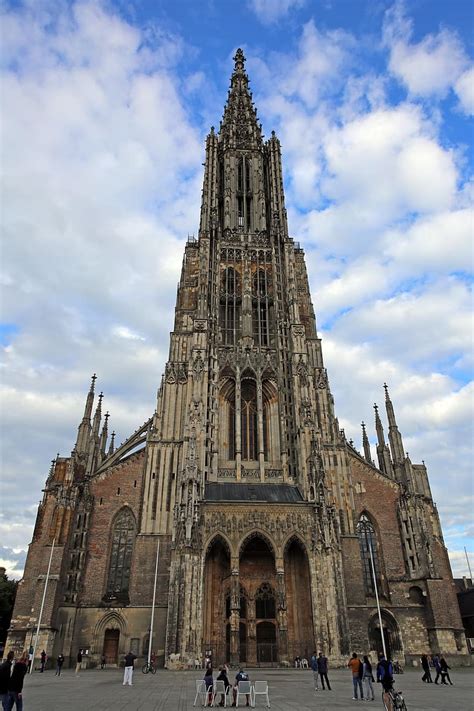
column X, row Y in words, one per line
column 239, row 126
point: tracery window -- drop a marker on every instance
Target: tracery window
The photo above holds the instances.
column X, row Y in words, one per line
column 261, row 307
column 249, row 426
column 265, row 603
column 230, row 305
column 123, row 536
column 368, row 542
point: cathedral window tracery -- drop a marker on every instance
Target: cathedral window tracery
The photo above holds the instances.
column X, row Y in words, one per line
column 122, row 536
column 249, row 428
column 367, row 542
column 230, row 303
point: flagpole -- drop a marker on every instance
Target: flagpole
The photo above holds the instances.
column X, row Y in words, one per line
column 376, row 595
column 153, row 603
column 42, row 606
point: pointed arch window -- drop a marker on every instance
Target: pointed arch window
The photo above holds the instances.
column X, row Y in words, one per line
column 122, row 537
column 265, row 603
column 367, row 543
column 230, row 305
column 261, row 306
column 249, row 425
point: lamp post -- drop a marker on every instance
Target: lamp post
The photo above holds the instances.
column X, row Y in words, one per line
column 42, row 606
column 153, row 603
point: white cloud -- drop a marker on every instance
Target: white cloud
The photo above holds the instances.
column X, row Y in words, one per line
column 270, row 11
column 430, row 67
column 464, row 88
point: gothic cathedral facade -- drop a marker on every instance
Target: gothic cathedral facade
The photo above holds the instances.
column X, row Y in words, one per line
column 265, row 515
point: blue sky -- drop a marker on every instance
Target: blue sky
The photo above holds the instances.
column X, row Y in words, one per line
column 102, row 150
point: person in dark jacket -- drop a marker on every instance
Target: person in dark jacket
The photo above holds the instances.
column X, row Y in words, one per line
column 128, row 671
column 43, row 660
column 437, row 667
column 15, row 686
column 367, row 679
column 223, row 677
column 5, row 671
column 385, row 677
column 426, row 669
column 59, row 664
column 314, row 666
column 323, row 670
column 444, row 671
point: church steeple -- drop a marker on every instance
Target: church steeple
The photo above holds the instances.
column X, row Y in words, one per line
column 394, row 436
column 383, row 452
column 239, row 127
column 84, row 429
column 366, row 444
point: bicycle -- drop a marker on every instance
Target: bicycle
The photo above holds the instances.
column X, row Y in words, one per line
column 396, row 697
column 148, row 668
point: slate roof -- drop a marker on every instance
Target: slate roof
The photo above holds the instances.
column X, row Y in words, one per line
column 269, row 493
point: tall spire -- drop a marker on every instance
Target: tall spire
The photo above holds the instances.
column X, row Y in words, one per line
column 240, row 127
column 104, row 434
column 84, row 429
column 394, row 436
column 366, row 444
column 112, row 445
column 94, row 441
column 383, row 452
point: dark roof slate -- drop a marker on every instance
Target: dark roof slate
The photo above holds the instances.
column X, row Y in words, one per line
column 270, row 493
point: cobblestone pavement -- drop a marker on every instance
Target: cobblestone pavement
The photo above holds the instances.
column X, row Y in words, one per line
column 290, row 690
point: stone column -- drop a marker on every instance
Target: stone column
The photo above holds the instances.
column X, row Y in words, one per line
column 235, row 615
column 261, row 453
column 282, row 615
column 251, row 632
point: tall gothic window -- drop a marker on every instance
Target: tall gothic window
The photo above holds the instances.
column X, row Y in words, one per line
column 368, row 541
column 265, row 603
column 261, row 307
column 230, row 305
column 123, row 536
column 249, row 420
column 244, row 194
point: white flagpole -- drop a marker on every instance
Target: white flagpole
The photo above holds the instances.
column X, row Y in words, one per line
column 42, row 606
column 369, row 542
column 153, row 603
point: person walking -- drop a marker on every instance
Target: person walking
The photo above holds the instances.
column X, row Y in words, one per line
column 43, row 660
column 444, row 671
column 355, row 665
column 209, row 682
column 385, row 677
column 323, row 670
column 15, row 685
column 5, row 671
column 437, row 667
column 128, row 671
column 103, row 661
column 426, row 669
column 223, row 677
column 59, row 664
column 367, row 679
column 78, row 662
column 314, row 667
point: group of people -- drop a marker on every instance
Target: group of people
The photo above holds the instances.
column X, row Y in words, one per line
column 319, row 665
column 223, row 676
column 363, row 677
column 440, row 666
column 12, row 674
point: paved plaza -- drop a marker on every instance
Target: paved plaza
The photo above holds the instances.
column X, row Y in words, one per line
column 290, row 690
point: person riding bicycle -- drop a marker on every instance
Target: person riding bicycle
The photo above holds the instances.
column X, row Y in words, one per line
column 385, row 677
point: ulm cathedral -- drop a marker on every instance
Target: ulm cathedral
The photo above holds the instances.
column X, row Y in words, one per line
column 264, row 512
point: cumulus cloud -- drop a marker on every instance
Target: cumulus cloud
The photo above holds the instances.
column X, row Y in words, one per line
column 464, row 88
column 271, row 11
column 429, row 67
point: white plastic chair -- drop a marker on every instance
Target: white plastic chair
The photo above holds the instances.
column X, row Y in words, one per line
column 243, row 689
column 260, row 688
column 219, row 688
column 202, row 691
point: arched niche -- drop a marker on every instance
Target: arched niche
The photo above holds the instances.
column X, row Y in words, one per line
column 391, row 635
column 216, row 589
column 298, row 599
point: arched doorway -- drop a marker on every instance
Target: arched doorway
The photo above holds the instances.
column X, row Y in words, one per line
column 391, row 635
column 111, row 646
column 298, row 601
column 216, row 600
column 258, row 576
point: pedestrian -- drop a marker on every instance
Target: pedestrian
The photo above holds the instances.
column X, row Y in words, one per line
column 30, row 656
column 385, row 677
column 128, row 671
column 59, row 664
column 444, row 671
column 323, row 670
column 355, row 665
column 437, row 667
column 15, row 685
column 43, row 660
column 103, row 661
column 367, row 679
column 209, row 681
column 78, row 662
column 426, row 669
column 5, row 671
column 223, row 677
column 314, row 667
column 241, row 676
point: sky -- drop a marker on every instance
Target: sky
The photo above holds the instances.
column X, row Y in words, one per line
column 106, row 106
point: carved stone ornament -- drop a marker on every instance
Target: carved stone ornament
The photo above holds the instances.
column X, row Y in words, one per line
column 321, row 378
column 170, row 375
column 200, row 325
column 298, row 331
column 198, row 366
column 302, row 370
column 306, row 414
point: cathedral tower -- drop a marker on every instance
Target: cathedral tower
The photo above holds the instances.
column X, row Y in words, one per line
column 265, row 516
